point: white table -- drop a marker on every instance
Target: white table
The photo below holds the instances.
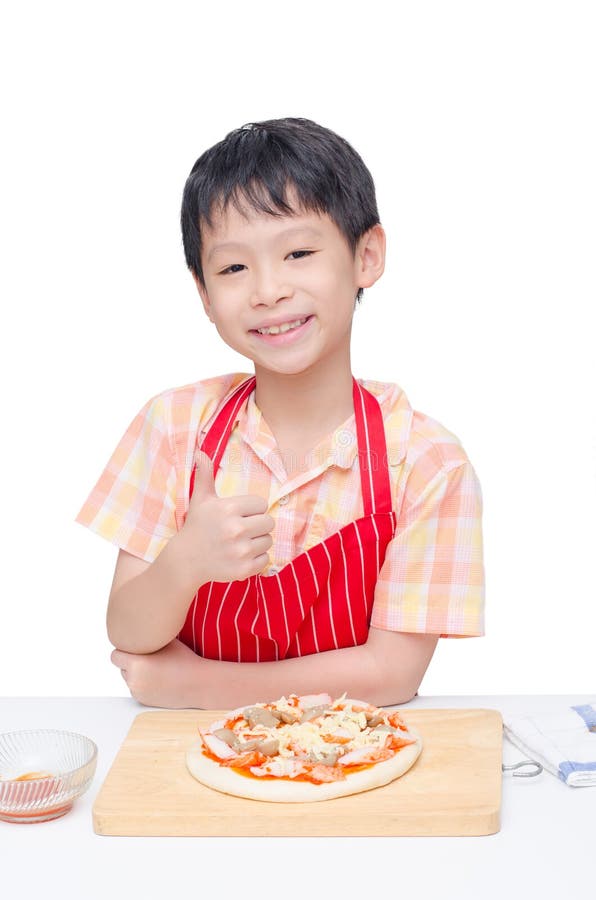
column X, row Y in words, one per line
column 545, row 847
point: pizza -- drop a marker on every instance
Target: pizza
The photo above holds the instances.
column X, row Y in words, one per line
column 301, row 749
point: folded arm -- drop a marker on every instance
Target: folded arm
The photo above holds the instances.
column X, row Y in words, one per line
column 386, row 670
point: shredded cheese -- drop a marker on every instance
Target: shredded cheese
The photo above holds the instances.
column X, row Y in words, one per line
column 348, row 725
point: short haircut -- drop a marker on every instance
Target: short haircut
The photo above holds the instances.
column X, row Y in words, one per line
column 256, row 163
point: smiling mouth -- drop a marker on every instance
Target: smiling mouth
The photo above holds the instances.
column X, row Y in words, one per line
column 282, row 329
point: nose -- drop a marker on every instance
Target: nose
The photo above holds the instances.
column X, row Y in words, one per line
column 269, row 287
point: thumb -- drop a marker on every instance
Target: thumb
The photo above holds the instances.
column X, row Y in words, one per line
column 204, row 484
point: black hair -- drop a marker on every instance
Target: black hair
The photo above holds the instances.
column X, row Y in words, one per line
column 258, row 161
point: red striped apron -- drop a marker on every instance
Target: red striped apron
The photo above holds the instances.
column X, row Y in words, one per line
column 322, row 599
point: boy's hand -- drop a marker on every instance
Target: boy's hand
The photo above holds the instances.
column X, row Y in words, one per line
column 225, row 538
column 170, row 677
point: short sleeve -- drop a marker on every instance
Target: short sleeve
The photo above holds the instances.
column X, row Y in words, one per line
column 133, row 503
column 432, row 578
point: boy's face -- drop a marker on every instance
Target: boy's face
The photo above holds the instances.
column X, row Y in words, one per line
column 266, row 270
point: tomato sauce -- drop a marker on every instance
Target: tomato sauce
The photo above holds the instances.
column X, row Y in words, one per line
column 304, row 776
column 52, row 785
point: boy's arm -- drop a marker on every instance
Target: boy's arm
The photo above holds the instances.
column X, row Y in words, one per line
column 149, row 601
column 222, row 539
column 386, row 670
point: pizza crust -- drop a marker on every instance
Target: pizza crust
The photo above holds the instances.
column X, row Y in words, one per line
column 281, row 790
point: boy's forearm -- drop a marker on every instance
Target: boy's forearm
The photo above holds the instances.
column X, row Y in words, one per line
column 147, row 612
column 226, row 685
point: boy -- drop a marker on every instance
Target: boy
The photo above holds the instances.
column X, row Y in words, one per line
column 296, row 530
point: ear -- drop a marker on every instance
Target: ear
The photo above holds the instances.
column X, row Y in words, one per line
column 204, row 296
column 370, row 256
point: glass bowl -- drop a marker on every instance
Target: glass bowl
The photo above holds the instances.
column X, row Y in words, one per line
column 42, row 773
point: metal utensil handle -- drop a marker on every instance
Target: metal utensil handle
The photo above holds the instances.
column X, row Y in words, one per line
column 524, row 763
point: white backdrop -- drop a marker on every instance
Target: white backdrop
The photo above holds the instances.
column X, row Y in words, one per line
column 477, row 123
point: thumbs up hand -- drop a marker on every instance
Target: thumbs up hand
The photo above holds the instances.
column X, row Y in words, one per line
column 226, row 538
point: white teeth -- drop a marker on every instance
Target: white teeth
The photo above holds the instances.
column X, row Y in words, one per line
column 281, row 329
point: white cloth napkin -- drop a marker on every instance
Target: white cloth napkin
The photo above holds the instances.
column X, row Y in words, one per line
column 564, row 741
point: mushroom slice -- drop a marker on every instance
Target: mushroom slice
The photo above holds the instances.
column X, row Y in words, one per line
column 268, row 747
column 325, row 758
column 373, row 719
column 258, row 715
column 227, row 736
column 313, row 712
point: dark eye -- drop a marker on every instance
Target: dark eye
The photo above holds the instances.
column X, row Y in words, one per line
column 303, row 252
column 229, row 271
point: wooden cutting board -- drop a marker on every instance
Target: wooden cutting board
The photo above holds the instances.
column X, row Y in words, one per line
column 454, row 788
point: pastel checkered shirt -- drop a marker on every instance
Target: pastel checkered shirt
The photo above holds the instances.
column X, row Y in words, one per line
column 432, row 579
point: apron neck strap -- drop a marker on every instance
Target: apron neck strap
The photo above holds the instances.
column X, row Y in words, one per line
column 370, row 433
column 214, row 442
column 372, row 452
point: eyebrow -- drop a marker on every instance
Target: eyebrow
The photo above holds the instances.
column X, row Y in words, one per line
column 232, row 245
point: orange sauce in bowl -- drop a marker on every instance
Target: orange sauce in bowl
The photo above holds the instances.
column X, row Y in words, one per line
column 52, row 785
column 33, row 776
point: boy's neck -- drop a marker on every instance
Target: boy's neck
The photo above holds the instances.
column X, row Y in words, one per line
column 312, row 402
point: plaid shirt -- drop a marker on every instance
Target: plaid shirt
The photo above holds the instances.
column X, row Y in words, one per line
column 432, row 579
